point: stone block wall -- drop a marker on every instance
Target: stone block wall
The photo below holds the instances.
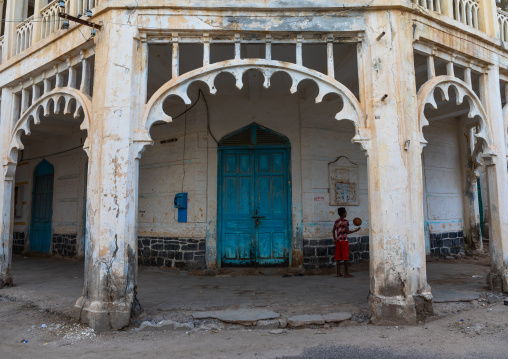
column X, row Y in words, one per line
column 320, row 253
column 445, row 244
column 181, row 253
column 18, row 242
column 64, row 245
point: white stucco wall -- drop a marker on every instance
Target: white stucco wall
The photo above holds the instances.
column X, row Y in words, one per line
column 443, row 195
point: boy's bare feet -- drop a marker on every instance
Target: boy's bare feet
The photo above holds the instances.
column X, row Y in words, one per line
column 339, row 275
column 348, row 276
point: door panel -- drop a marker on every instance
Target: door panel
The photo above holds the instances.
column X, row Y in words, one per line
column 40, row 234
column 236, row 217
column 272, row 198
column 254, row 183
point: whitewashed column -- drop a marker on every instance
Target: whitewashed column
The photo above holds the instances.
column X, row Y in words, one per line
column 487, row 17
column 109, row 293
column 447, row 7
column 399, row 292
column 472, row 231
column 497, row 179
column 6, row 190
column 37, row 29
column 14, row 11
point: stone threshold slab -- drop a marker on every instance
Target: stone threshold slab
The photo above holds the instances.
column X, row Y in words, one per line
column 238, row 316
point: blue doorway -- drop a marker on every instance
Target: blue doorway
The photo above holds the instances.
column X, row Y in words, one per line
column 42, row 208
column 254, row 198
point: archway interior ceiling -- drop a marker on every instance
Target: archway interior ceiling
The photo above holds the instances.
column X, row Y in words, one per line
column 447, row 110
column 60, row 112
column 253, row 89
column 52, row 127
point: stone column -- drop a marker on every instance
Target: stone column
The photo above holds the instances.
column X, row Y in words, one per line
column 447, row 8
column 497, row 181
column 487, row 17
column 37, row 30
column 14, row 10
column 109, row 293
column 472, row 231
column 6, row 189
column 398, row 286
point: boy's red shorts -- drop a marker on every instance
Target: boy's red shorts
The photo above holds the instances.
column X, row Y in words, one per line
column 342, row 251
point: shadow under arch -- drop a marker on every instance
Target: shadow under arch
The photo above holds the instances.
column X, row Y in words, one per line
column 462, row 91
column 154, row 112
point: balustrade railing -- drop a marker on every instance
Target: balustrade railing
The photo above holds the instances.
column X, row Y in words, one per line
column 84, row 5
column 434, row 5
column 24, row 33
column 502, row 18
column 51, row 22
column 466, row 11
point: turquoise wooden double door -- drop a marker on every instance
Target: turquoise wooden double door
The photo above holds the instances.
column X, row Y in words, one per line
column 254, row 198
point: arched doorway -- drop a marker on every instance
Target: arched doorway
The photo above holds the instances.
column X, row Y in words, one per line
column 42, row 208
column 254, row 198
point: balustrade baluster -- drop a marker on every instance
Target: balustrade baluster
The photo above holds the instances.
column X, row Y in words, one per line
column 431, row 70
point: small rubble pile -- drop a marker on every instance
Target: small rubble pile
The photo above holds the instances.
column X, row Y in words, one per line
column 72, row 332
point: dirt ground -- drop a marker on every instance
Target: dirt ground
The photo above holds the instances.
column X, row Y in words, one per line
column 28, row 332
column 34, row 323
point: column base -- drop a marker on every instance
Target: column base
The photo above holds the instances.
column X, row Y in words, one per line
column 5, row 281
column 497, row 281
column 400, row 310
column 103, row 316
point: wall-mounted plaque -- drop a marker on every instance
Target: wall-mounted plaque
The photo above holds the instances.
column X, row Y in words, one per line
column 343, row 182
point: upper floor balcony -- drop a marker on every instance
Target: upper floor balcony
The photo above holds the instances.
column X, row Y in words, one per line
column 28, row 22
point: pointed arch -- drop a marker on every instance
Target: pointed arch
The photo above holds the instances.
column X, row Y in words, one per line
column 60, row 100
column 178, row 87
column 462, row 91
column 254, row 135
column 43, row 168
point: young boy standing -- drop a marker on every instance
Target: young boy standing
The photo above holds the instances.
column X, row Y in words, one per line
column 340, row 232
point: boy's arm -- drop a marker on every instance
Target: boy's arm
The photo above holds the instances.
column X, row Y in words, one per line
column 356, row 230
column 333, row 233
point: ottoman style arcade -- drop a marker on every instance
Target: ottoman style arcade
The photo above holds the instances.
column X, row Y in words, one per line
column 212, row 133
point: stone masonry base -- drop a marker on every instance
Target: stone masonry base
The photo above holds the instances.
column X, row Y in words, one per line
column 320, row 253
column 181, row 253
column 64, row 245
column 18, row 242
column 445, row 244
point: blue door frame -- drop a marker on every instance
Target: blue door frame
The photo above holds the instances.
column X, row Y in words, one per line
column 254, row 197
column 42, row 208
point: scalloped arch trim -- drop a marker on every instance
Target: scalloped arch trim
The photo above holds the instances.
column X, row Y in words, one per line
column 60, row 100
column 178, row 87
column 462, row 91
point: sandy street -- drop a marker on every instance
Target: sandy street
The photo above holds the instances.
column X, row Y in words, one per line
column 477, row 333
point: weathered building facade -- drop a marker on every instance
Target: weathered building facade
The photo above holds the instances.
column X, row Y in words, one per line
column 226, row 133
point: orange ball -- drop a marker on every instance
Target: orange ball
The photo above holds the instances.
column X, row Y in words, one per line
column 357, row 221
